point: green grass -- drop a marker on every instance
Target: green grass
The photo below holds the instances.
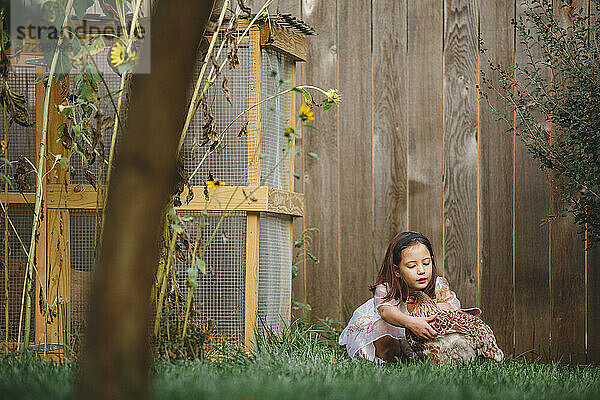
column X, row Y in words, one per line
column 302, row 366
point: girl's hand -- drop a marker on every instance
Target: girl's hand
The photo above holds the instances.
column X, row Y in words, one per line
column 420, row 327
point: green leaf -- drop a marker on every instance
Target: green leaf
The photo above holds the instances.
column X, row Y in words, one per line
column 81, row 6
column 310, row 127
column 204, row 213
column 95, row 46
column 63, row 66
column 313, row 155
column 307, row 97
column 177, row 228
column 92, row 73
column 327, row 105
column 64, row 163
column 192, row 278
column 54, row 15
column 201, row 265
column 296, row 305
column 85, row 90
column 192, row 273
column 5, row 179
column 77, row 131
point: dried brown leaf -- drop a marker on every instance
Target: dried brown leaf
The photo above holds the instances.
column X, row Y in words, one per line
column 243, row 130
column 91, row 178
column 231, row 42
column 226, row 91
column 209, row 126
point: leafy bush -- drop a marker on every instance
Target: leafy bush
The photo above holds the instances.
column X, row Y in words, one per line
column 568, row 101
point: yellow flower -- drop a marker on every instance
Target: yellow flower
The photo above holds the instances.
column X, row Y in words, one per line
column 305, row 113
column 288, row 132
column 213, row 184
column 119, row 55
column 3, row 144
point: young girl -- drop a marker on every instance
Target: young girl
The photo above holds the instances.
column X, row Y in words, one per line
column 377, row 327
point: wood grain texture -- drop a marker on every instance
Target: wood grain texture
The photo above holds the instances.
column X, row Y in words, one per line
column 17, row 198
column 41, row 254
column 593, row 309
column 389, row 125
column 284, row 202
column 354, row 124
column 52, row 248
column 593, row 270
column 495, row 182
column 425, row 130
column 81, row 196
column 283, row 40
column 58, row 273
column 254, row 115
column 251, row 288
column 567, row 263
column 460, row 148
column 321, row 176
column 532, row 291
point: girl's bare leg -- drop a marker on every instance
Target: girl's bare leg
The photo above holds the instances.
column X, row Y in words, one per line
column 388, row 348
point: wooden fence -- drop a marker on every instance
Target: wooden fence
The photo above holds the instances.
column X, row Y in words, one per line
column 412, row 147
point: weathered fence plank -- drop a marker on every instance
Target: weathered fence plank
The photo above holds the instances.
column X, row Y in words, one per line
column 567, row 263
column 593, row 268
column 389, row 124
column 321, row 176
column 496, row 187
column 425, row 130
column 593, row 309
column 354, row 149
column 532, row 196
column 460, row 148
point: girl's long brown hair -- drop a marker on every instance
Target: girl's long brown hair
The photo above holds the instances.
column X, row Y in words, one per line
column 397, row 288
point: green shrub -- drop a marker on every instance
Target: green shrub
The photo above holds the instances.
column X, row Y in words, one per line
column 568, row 101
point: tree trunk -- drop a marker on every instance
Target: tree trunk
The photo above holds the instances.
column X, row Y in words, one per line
column 116, row 359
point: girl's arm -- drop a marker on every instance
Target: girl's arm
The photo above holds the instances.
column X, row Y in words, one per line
column 419, row 326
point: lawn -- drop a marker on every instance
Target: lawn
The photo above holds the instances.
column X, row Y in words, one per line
column 303, row 367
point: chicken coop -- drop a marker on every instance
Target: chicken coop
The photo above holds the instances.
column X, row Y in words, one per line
column 247, row 284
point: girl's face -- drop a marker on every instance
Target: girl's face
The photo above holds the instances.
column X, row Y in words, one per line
column 415, row 267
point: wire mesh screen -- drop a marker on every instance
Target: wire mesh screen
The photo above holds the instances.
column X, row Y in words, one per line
column 274, row 271
column 113, row 81
column 275, row 118
column 220, row 294
column 20, row 140
column 227, row 163
column 83, row 231
column 13, row 264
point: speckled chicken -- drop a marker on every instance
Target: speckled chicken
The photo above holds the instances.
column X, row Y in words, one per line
column 461, row 336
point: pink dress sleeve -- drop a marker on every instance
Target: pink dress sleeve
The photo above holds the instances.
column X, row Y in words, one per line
column 443, row 293
column 380, row 292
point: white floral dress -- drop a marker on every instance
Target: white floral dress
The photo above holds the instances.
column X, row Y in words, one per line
column 366, row 324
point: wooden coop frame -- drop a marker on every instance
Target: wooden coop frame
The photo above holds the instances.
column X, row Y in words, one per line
column 59, row 200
